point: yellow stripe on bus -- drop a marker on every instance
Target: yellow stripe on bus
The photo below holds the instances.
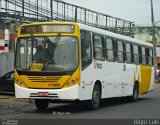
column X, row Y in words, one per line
column 142, row 74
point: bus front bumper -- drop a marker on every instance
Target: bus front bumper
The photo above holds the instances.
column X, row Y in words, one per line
column 71, row 93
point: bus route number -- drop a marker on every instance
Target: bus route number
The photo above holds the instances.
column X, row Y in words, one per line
column 36, row 66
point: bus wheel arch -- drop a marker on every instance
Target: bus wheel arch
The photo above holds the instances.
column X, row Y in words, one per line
column 99, row 83
column 96, row 95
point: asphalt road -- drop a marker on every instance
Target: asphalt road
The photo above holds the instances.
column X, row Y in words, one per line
column 147, row 107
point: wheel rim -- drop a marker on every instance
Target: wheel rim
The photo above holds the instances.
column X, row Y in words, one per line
column 135, row 94
column 96, row 98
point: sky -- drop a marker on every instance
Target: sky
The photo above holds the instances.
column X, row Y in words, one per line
column 138, row 11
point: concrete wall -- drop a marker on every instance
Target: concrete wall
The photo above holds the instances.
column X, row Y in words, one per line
column 6, row 62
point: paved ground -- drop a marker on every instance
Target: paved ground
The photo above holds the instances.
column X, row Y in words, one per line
column 8, row 100
column 157, row 85
column 147, row 107
column 112, row 112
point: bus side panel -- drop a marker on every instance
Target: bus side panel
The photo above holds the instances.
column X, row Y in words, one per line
column 86, row 84
column 117, row 81
column 145, row 79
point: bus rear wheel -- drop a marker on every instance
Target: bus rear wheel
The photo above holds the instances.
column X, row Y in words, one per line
column 135, row 94
column 96, row 97
column 41, row 104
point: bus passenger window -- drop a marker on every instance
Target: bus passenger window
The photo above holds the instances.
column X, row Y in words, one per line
column 136, row 54
column 128, row 53
column 120, row 51
column 86, row 51
column 98, row 47
column 110, row 50
column 150, row 60
column 144, row 55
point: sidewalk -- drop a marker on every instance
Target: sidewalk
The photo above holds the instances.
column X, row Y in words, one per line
column 9, row 101
column 157, row 85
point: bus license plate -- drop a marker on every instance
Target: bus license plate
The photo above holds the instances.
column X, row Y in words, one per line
column 43, row 93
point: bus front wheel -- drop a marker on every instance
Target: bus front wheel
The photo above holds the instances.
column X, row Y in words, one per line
column 96, row 97
column 41, row 104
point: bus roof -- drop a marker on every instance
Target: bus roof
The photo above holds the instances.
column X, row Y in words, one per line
column 99, row 31
column 114, row 35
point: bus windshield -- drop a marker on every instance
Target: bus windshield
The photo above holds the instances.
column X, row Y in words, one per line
column 47, row 54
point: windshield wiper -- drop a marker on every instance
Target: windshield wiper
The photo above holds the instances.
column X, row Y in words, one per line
column 52, row 49
column 56, row 41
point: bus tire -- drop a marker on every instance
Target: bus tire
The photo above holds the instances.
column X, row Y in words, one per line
column 41, row 104
column 134, row 96
column 96, row 97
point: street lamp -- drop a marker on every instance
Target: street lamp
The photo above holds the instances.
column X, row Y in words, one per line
column 0, row 5
column 153, row 38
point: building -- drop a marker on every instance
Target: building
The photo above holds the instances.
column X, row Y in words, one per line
column 144, row 32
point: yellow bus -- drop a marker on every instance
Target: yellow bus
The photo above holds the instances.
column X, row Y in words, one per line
column 68, row 61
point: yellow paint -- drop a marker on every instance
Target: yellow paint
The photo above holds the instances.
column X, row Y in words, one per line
column 50, row 82
column 76, row 33
column 44, row 81
column 36, row 67
column 75, row 77
column 18, row 80
column 144, row 74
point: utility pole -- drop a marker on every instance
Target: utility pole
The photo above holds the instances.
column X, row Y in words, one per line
column 154, row 41
column 153, row 31
column 0, row 5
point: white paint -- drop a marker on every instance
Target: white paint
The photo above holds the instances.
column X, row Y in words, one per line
column 71, row 93
column 115, row 81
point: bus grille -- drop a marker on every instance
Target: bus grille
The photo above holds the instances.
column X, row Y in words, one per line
column 44, row 78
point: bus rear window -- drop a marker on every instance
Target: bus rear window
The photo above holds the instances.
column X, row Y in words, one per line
column 49, row 28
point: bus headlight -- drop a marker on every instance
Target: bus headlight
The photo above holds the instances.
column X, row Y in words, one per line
column 20, row 83
column 70, row 83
